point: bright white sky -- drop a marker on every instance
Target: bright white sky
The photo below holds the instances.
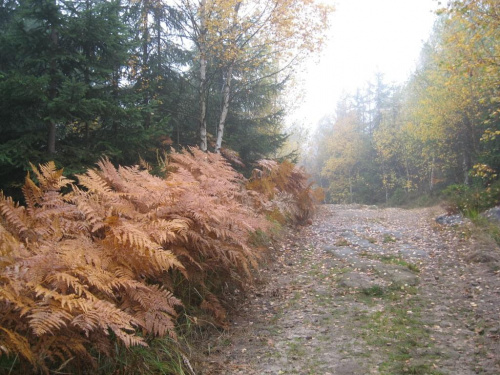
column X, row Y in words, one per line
column 367, row 36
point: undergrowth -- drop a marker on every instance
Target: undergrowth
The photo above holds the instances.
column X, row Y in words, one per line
column 101, row 275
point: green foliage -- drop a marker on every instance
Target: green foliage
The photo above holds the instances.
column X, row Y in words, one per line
column 342, row 242
column 373, row 291
column 347, row 164
column 471, row 200
column 113, row 80
column 413, row 199
column 399, row 197
column 487, row 229
column 389, row 259
column 388, row 238
column 163, row 356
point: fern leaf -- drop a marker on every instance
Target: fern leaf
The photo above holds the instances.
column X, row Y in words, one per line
column 13, row 215
column 9, row 247
column 69, row 281
column 212, row 304
column 32, row 194
column 94, row 182
column 50, row 178
column 128, row 234
column 165, row 260
column 105, row 316
column 45, row 320
column 13, row 342
column 159, row 323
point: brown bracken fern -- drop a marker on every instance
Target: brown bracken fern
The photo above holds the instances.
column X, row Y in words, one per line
column 116, row 259
column 68, row 283
column 210, row 195
column 110, row 262
column 283, row 191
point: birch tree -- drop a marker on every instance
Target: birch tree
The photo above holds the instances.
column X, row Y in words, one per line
column 241, row 35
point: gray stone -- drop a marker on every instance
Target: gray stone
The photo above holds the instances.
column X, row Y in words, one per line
column 361, row 242
column 329, row 248
column 395, row 234
column 361, row 264
column 396, row 274
column 484, row 256
column 493, row 214
column 450, row 219
column 333, row 263
column 349, row 367
column 342, row 252
column 445, row 324
column 494, row 331
column 357, row 280
column 347, row 234
column 406, row 251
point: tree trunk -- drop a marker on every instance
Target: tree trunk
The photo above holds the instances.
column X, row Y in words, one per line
column 145, row 62
column 384, row 182
column 408, row 180
column 350, row 187
column 180, row 92
column 465, row 167
column 431, row 184
column 203, row 77
column 203, row 104
column 158, row 41
column 115, row 89
column 51, row 140
column 227, row 86
column 225, row 108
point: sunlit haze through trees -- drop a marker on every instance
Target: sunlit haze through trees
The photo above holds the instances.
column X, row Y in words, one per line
column 391, row 142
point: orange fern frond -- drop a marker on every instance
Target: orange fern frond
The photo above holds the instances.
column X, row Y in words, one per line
column 116, row 253
column 50, row 178
column 93, row 182
column 10, row 247
column 44, row 319
column 157, row 309
column 14, row 216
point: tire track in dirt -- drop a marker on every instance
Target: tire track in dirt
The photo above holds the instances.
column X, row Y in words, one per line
column 368, row 291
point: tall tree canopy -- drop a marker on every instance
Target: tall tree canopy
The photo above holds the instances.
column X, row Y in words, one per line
column 124, row 78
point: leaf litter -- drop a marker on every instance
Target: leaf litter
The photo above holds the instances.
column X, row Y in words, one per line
column 315, row 311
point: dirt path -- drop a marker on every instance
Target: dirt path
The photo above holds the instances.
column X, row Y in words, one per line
column 369, row 291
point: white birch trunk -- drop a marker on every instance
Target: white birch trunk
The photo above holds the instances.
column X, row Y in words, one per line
column 227, row 87
column 431, row 184
column 203, row 104
column 225, row 109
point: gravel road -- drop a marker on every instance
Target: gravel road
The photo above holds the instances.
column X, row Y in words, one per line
column 369, row 291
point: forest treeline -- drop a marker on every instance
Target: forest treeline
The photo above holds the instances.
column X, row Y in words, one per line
column 389, row 143
column 86, row 78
